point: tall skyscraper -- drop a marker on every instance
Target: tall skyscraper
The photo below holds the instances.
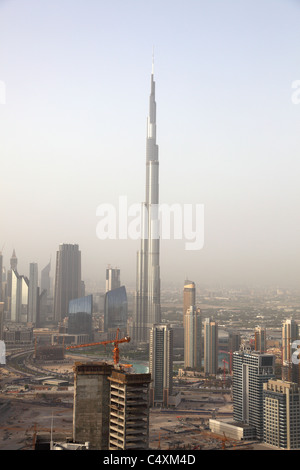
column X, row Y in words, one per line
column 210, row 346
column 19, row 298
column 189, row 295
column 45, row 279
column 251, row 370
column 161, row 363
column 80, row 316
column 14, row 261
column 1, row 319
column 289, row 334
column 116, row 310
column 67, row 279
column 112, row 279
column 260, row 339
column 192, row 338
column 33, row 293
column 148, row 310
column 14, row 304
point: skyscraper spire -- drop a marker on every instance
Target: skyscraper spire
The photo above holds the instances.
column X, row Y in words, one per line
column 148, row 270
column 153, row 61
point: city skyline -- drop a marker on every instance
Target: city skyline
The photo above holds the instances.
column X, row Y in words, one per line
column 73, row 128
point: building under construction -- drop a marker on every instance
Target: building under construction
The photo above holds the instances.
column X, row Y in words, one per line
column 111, row 407
column 91, row 404
column 129, row 411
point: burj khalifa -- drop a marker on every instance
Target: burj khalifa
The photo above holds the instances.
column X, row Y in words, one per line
column 147, row 308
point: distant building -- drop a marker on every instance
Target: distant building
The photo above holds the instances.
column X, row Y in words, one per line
column 19, row 298
column 289, row 334
column 112, row 279
column 45, row 279
column 1, row 319
column 14, row 261
column 234, row 341
column 210, row 347
column 161, row 363
column 260, row 339
column 281, row 407
column 116, row 310
column 189, row 295
column 192, row 338
column 33, row 293
column 67, row 279
column 80, row 316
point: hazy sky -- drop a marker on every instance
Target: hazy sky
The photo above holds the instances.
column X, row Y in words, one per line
column 76, row 81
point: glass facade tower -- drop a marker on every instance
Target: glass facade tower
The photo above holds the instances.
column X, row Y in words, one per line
column 80, row 315
column 115, row 310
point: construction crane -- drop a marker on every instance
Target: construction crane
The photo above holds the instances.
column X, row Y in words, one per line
column 230, row 354
column 224, row 371
column 115, row 342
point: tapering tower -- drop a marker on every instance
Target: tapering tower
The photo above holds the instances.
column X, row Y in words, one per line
column 148, row 271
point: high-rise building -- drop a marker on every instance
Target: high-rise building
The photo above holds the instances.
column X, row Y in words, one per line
column 80, row 316
column 33, row 293
column 260, row 335
column 189, row 295
column 251, row 370
column 112, row 279
column 147, row 309
column 67, row 279
column 234, row 341
column 19, row 298
column 13, row 261
column 1, row 319
column 23, row 298
column 14, row 304
column 192, row 338
column 116, row 310
column 289, row 334
column 211, row 346
column 91, row 404
column 129, row 411
column 161, row 363
column 45, row 279
column 281, row 409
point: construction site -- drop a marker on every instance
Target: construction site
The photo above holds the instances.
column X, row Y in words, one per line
column 49, row 397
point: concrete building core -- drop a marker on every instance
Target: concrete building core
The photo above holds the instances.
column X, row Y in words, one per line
column 129, row 411
column 91, row 404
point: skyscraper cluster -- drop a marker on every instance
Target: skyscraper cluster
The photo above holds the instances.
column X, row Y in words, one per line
column 111, row 406
column 22, row 295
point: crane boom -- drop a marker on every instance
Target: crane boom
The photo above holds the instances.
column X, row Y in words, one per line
column 115, row 342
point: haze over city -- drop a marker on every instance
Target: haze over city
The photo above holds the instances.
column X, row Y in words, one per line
column 73, row 132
